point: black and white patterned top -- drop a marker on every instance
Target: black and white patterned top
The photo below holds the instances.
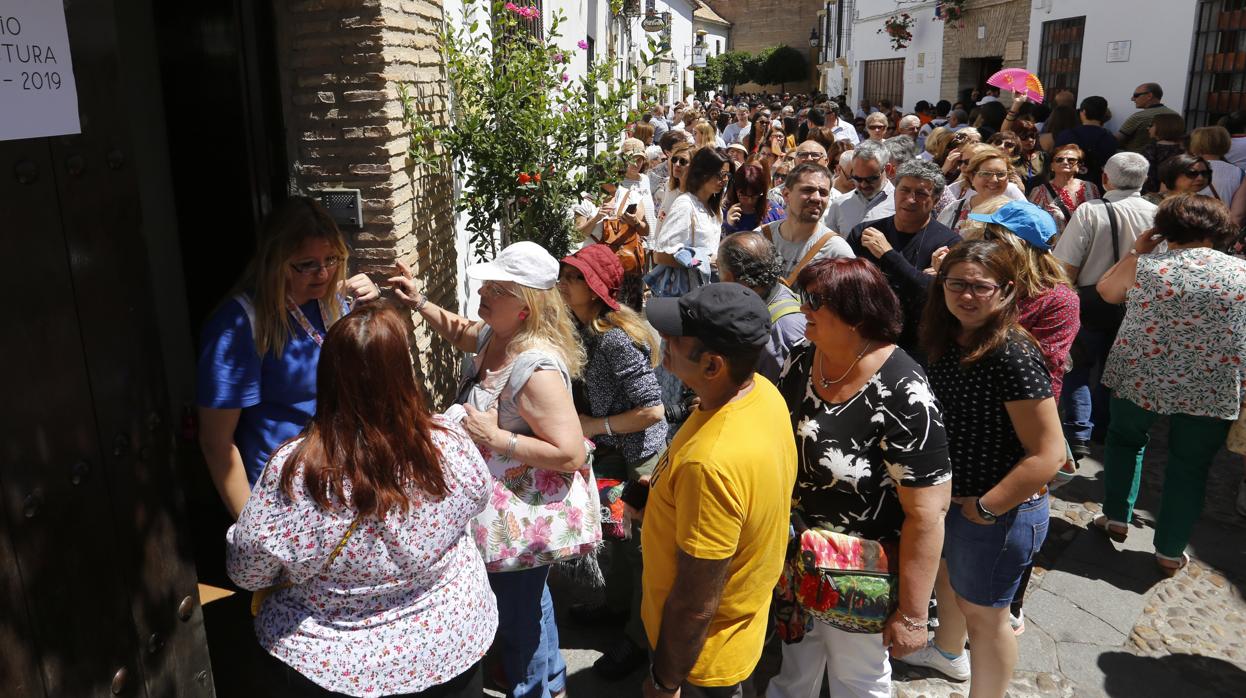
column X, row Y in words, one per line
column 618, row 377
column 853, row 454
column 983, row 444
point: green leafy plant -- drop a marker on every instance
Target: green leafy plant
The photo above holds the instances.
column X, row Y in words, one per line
column 525, row 140
column 899, row 29
column 781, row 65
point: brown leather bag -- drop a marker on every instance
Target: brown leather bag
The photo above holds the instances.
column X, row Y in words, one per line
column 625, row 240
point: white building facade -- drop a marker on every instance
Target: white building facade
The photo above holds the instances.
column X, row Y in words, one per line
column 876, row 70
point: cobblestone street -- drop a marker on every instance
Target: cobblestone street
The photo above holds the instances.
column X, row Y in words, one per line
column 1100, row 619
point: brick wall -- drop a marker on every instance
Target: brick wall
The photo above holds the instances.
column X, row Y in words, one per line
column 341, row 61
column 1004, row 21
column 759, row 24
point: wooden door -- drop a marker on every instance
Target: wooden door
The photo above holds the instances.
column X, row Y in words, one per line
column 97, row 583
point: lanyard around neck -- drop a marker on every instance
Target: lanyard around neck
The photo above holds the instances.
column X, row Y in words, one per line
column 303, row 322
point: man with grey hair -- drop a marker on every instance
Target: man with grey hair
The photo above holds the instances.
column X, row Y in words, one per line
column 871, row 173
column 957, row 119
column 909, row 125
column 902, row 149
column 1098, row 233
column 750, row 260
column 903, row 243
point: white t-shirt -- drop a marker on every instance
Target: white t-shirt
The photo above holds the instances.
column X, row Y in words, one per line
column 687, row 219
column 1225, row 178
column 637, row 192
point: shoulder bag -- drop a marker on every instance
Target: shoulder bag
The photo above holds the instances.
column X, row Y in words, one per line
column 1096, row 313
column 624, row 239
column 535, row 516
column 258, row 596
column 771, row 230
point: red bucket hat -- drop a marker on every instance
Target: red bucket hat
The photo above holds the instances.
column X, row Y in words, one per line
column 602, row 271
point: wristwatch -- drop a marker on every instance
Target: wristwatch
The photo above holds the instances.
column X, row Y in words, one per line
column 983, row 512
column 653, row 678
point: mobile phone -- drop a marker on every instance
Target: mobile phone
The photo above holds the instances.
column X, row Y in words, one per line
column 631, row 209
column 635, row 494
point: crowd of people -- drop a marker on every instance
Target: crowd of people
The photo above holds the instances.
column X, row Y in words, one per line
column 856, row 354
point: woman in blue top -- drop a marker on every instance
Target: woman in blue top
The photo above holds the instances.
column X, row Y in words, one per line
column 256, row 381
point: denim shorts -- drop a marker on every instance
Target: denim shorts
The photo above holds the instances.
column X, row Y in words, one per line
column 985, row 563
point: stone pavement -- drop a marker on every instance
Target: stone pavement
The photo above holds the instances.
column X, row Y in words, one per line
column 1100, row 620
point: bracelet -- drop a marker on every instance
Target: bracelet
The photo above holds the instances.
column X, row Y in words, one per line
column 912, row 623
column 653, row 678
column 423, row 302
column 1010, row 116
column 606, row 423
column 510, row 447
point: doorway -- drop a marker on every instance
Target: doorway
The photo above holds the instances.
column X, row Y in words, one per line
column 974, row 73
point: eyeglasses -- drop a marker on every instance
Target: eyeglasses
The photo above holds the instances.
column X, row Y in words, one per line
column 311, row 266
column 812, row 300
column 724, row 175
column 742, row 195
column 808, row 155
column 990, row 175
column 865, row 180
column 682, row 162
column 1071, row 161
column 1139, row 94
column 496, row 290
column 1196, row 173
column 979, row 290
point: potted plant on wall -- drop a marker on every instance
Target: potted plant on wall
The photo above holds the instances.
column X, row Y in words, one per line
column 951, row 11
column 899, row 29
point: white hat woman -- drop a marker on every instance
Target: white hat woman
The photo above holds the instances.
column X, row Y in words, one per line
column 517, row 394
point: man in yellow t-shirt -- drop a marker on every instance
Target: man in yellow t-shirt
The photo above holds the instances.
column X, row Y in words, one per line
column 716, row 521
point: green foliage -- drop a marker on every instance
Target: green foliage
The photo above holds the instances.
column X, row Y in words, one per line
column 523, row 139
column 727, row 69
column 780, row 65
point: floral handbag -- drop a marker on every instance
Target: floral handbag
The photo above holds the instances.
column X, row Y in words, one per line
column 847, row 582
column 535, row 516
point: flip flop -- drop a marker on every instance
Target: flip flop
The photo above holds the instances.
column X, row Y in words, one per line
column 1116, row 530
column 1170, row 566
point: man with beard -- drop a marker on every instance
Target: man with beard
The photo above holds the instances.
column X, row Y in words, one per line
column 801, row 237
column 872, row 172
column 903, row 243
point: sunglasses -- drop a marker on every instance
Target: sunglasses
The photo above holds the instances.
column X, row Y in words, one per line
column 812, row 300
column 724, row 175
column 990, row 175
column 1139, row 94
column 1196, row 173
column 1071, row 161
column 877, row 127
column 865, row 180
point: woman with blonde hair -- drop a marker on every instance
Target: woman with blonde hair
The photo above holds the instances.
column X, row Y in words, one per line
column 516, row 392
column 704, row 136
column 619, row 402
column 256, row 381
column 1064, row 191
column 986, row 174
column 937, row 145
column 1212, row 143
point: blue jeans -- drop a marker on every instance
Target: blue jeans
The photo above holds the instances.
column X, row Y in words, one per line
column 985, row 564
column 527, row 636
column 1084, row 398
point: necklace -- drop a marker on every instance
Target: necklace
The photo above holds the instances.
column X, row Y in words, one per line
column 827, row 382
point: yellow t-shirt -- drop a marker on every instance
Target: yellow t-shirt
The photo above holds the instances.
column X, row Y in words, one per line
column 723, row 489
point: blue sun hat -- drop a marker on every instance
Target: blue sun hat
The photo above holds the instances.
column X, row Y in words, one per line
column 1025, row 220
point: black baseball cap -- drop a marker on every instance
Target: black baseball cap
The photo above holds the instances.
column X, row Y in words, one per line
column 723, row 316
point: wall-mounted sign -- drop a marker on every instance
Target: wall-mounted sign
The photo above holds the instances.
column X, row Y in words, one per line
column 653, row 23
column 37, row 93
column 1118, row 51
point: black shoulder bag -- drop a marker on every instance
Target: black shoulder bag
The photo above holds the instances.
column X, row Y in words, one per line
column 1096, row 313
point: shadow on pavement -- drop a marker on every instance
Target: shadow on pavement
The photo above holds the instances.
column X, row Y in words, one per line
column 1186, row 675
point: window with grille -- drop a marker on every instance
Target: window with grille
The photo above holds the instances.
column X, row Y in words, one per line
column 883, row 80
column 1060, row 58
column 1217, row 83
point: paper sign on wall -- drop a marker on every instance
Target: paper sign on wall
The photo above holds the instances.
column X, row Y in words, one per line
column 38, row 96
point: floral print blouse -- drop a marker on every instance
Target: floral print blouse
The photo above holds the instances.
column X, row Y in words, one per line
column 853, row 455
column 404, row 606
column 1180, row 348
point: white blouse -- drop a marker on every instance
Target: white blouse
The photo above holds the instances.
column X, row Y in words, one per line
column 687, row 219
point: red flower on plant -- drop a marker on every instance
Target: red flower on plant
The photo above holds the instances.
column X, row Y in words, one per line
column 524, row 178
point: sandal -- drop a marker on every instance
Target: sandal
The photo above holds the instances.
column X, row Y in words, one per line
column 1116, row 530
column 1170, row 566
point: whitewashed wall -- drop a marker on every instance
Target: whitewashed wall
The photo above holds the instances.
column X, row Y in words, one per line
column 1161, row 34
column 926, row 48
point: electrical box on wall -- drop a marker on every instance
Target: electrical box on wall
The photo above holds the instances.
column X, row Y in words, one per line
column 344, row 205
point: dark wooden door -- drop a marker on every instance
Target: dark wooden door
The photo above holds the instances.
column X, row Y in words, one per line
column 97, row 584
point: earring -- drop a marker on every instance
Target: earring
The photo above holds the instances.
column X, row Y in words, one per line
column 523, row 315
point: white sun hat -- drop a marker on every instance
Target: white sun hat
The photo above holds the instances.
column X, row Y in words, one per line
column 526, row 263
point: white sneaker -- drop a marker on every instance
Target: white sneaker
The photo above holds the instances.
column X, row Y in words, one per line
column 929, row 656
column 1241, row 498
column 1017, row 622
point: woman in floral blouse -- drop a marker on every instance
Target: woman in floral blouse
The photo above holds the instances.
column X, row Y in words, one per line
column 363, row 518
column 873, row 463
column 1179, row 353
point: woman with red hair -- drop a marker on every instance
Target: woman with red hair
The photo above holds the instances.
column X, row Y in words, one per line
column 362, row 522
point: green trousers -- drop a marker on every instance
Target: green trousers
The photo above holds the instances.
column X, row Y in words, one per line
column 1192, row 443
